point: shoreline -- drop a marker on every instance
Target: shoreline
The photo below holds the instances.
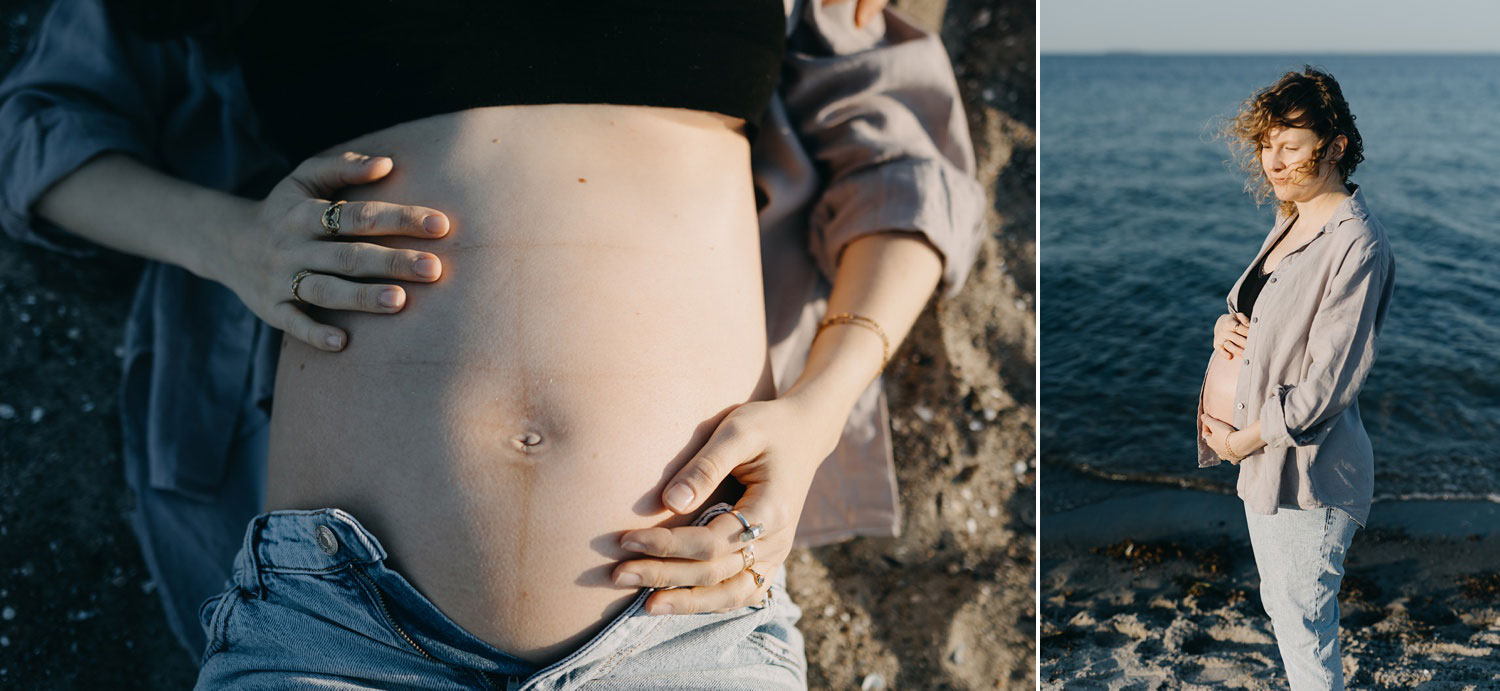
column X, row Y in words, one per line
column 1160, row 511
column 1146, row 585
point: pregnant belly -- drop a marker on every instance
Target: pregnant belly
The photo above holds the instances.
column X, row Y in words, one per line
column 600, row 310
column 1219, row 385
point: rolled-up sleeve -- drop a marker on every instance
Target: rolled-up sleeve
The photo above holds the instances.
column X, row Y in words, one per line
column 879, row 110
column 1341, row 349
column 80, row 91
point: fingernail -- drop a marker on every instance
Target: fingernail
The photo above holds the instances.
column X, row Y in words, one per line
column 435, row 224
column 662, row 609
column 627, row 578
column 390, row 298
column 426, row 267
column 679, row 496
column 634, row 547
column 334, row 341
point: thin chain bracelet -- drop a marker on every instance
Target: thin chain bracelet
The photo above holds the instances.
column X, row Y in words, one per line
column 868, row 323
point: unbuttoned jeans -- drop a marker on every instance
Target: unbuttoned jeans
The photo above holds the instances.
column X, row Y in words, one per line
column 312, row 604
column 1300, row 556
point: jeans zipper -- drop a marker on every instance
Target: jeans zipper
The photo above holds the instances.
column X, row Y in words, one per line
column 380, row 600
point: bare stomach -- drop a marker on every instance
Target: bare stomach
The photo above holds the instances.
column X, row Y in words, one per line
column 600, row 310
column 1219, row 384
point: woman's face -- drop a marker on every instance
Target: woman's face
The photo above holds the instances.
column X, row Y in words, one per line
column 1285, row 156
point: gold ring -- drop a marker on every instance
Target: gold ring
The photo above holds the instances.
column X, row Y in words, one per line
column 297, row 281
column 748, row 556
column 331, row 217
column 751, row 531
column 759, row 579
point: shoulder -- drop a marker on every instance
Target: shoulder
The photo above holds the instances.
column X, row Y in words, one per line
column 1358, row 233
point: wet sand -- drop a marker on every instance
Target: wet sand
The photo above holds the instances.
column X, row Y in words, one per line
column 1146, row 586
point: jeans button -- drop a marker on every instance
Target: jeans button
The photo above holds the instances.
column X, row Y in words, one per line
column 326, row 541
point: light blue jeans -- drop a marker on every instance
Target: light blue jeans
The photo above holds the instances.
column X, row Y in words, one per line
column 312, row 604
column 1300, row 556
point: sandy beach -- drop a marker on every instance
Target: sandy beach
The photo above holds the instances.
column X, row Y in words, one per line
column 1150, row 586
column 949, row 604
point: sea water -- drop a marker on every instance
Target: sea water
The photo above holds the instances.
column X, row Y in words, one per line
column 1145, row 227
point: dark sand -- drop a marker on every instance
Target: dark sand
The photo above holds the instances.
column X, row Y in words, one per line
column 1147, row 586
column 947, row 605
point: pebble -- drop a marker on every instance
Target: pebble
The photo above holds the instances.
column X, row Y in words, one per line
column 958, row 654
column 4, row 641
column 24, row 317
column 829, row 611
column 872, row 682
column 967, row 494
column 74, row 333
column 994, row 512
column 7, row 411
column 120, row 352
column 975, row 425
column 988, row 94
column 923, row 412
column 990, row 414
column 36, row 414
column 971, row 526
column 1020, row 305
column 1020, row 467
column 8, row 613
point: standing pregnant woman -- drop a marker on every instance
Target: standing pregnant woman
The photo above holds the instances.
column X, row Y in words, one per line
column 1280, row 396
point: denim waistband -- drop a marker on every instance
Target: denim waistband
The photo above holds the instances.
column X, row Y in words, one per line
column 282, row 542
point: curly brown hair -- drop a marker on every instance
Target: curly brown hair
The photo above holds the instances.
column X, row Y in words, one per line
column 1309, row 99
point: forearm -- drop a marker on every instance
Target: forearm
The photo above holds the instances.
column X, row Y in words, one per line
column 121, row 203
column 886, row 277
column 1246, row 441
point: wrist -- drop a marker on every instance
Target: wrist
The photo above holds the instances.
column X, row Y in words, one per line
column 216, row 247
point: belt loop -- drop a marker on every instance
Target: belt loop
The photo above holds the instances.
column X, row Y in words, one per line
column 247, row 566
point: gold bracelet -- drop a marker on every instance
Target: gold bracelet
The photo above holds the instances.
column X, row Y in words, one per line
column 1237, row 456
column 868, row 323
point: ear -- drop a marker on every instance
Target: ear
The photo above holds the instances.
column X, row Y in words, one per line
column 1336, row 148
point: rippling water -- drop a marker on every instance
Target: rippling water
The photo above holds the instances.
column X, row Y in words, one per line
column 1145, row 228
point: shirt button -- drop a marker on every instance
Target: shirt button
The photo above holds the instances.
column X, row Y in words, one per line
column 326, row 541
column 1241, row 406
column 1273, row 279
column 1255, row 320
column 1245, row 361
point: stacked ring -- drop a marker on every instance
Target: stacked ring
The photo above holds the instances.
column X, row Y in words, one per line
column 748, row 556
column 759, row 579
column 331, row 217
column 751, row 531
column 297, row 281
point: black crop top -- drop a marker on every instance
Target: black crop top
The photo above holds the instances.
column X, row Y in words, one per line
column 1250, row 288
column 327, row 71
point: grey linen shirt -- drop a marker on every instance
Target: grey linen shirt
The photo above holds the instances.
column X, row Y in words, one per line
column 1312, row 342
column 865, row 134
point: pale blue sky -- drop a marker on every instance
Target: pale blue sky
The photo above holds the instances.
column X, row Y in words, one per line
column 1270, row 26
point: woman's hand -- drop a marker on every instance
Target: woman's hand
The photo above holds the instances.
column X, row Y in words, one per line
column 283, row 234
column 773, row 448
column 1216, row 433
column 1230, row 332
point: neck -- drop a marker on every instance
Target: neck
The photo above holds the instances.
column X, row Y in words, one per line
column 1320, row 207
